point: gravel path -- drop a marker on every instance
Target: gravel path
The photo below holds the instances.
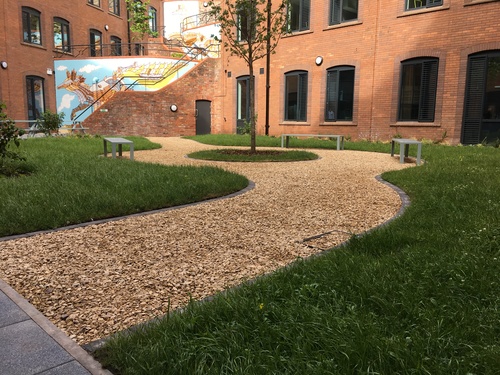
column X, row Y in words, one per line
column 99, row 279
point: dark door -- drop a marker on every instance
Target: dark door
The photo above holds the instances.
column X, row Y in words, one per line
column 203, row 117
column 242, row 103
column 481, row 123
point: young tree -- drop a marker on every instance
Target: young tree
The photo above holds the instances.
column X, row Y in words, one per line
column 251, row 30
column 139, row 17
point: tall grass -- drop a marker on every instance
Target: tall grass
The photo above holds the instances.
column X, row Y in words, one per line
column 72, row 183
column 418, row 296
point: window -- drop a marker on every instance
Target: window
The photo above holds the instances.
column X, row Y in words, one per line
column 116, row 46
column 242, row 102
column 343, row 11
column 416, row 4
column 36, row 100
column 298, row 15
column 97, row 3
column 296, row 96
column 417, row 95
column 114, row 6
column 339, row 93
column 61, row 35
column 153, row 22
column 31, row 26
column 95, row 43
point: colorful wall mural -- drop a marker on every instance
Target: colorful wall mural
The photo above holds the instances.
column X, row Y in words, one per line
column 82, row 86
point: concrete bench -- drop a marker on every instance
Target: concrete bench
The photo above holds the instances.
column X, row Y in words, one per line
column 404, row 146
column 120, row 142
column 340, row 138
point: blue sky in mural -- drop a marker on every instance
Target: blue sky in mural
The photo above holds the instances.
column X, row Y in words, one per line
column 79, row 83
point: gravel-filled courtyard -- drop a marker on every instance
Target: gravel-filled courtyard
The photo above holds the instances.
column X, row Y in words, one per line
column 99, row 279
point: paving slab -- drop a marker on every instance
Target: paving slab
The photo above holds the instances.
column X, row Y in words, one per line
column 30, row 344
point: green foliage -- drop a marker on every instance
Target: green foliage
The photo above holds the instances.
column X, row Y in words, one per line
column 418, row 296
column 250, row 30
column 9, row 134
column 73, row 184
column 140, row 17
column 49, row 122
column 238, row 155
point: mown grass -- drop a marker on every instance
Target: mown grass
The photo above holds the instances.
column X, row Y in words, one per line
column 71, row 183
column 418, row 296
column 263, row 141
column 236, row 155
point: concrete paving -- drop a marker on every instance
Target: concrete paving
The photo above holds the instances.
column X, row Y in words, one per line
column 30, row 344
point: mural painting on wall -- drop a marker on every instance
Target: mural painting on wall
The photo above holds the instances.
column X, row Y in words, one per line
column 189, row 23
column 82, row 86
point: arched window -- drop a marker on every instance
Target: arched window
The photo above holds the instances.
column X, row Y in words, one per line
column 61, row 35
column 95, row 43
column 35, row 96
column 32, row 31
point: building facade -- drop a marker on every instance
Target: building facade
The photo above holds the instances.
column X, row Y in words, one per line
column 36, row 32
column 426, row 69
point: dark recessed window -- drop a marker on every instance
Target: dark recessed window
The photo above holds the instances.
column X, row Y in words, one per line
column 417, row 95
column 114, row 6
column 298, row 15
column 153, row 19
column 116, row 46
column 95, row 43
column 35, row 96
column 96, row 3
column 61, row 35
column 343, row 11
column 417, row 4
column 296, row 96
column 32, row 32
column 339, row 93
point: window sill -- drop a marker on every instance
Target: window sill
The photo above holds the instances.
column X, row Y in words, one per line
column 338, row 123
column 95, row 7
column 344, row 24
column 407, row 13
column 297, row 33
column 39, row 46
column 294, row 123
column 415, row 124
column 477, row 2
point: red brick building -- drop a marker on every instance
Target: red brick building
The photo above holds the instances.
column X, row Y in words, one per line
column 426, row 69
column 35, row 32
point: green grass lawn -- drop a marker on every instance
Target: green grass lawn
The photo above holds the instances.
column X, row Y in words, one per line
column 73, row 183
column 418, row 296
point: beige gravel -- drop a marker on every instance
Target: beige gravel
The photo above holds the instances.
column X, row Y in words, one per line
column 100, row 279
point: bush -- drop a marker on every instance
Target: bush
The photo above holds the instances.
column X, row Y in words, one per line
column 49, row 122
column 9, row 134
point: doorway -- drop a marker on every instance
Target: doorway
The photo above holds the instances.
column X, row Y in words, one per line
column 481, row 122
column 203, row 117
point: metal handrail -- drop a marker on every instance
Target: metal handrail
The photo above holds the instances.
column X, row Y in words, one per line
column 197, row 20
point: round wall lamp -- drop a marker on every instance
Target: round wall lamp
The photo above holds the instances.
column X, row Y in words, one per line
column 205, row 4
column 4, row 64
column 106, row 27
column 173, row 108
column 319, row 60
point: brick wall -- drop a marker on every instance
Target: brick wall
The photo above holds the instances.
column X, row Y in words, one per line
column 149, row 114
column 28, row 59
column 376, row 43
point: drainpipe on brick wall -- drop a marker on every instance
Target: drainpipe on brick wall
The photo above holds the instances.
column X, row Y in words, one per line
column 268, row 63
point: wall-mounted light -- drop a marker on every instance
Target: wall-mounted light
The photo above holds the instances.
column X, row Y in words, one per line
column 4, row 64
column 173, row 108
column 49, row 71
column 319, row 60
column 106, row 27
column 205, row 4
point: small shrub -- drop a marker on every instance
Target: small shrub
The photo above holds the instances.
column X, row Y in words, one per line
column 49, row 122
column 9, row 134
